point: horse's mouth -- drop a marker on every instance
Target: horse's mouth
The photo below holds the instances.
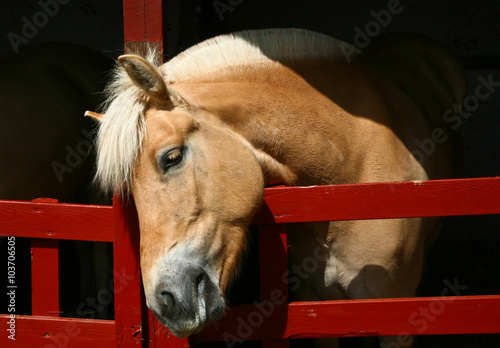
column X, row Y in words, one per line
column 186, row 300
column 183, row 327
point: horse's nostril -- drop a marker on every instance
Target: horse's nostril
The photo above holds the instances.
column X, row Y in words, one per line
column 199, row 278
column 200, row 283
column 167, row 298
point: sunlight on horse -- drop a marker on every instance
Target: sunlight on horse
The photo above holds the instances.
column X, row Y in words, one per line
column 196, row 141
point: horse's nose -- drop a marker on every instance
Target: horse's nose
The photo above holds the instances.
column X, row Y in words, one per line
column 188, row 297
column 178, row 293
column 167, row 300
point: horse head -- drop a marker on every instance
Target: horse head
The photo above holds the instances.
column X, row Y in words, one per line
column 196, row 186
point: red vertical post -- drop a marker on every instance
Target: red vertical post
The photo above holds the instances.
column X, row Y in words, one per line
column 273, row 269
column 127, row 279
column 143, row 24
column 134, row 323
column 45, row 277
column 161, row 337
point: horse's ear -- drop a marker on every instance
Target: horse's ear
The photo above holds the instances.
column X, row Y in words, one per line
column 145, row 76
column 95, row 115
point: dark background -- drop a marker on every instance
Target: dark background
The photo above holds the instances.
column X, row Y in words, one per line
column 468, row 248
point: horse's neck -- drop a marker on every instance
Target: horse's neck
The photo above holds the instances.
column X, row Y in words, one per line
column 295, row 145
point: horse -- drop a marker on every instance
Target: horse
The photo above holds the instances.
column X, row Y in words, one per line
column 46, row 145
column 196, row 140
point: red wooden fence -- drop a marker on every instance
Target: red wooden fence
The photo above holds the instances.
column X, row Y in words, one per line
column 275, row 320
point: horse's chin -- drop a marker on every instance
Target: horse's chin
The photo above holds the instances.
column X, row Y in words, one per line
column 186, row 328
column 184, row 334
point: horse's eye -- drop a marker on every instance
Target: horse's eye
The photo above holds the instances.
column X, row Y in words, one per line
column 170, row 158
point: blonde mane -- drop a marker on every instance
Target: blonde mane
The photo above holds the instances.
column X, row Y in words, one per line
column 249, row 48
column 123, row 126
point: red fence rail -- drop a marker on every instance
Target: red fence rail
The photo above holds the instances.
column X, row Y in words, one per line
column 47, row 223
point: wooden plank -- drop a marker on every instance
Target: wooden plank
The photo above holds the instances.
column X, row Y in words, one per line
column 143, row 21
column 382, row 317
column 143, row 27
column 454, row 197
column 162, row 337
column 381, row 200
column 130, row 310
column 273, row 260
column 127, row 280
column 56, row 221
column 273, row 264
column 47, row 332
column 282, row 205
column 45, row 277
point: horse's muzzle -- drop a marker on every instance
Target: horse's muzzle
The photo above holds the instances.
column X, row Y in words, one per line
column 186, row 300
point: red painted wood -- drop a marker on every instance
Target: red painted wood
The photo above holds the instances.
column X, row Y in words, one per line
column 47, row 332
column 383, row 317
column 44, row 200
column 273, row 272
column 128, row 307
column 162, row 337
column 273, row 260
column 381, row 200
column 477, row 314
column 143, row 21
column 56, row 221
column 45, row 277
